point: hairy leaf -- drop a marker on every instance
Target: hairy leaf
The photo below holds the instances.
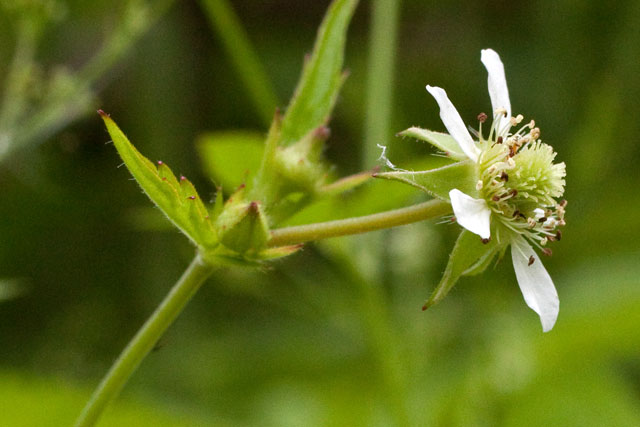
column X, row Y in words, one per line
column 322, row 76
column 177, row 198
column 443, row 141
column 438, row 182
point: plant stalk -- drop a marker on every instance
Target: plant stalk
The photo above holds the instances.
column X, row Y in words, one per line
column 342, row 227
column 142, row 343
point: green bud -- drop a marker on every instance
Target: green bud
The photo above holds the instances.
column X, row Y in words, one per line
column 242, row 226
column 300, row 165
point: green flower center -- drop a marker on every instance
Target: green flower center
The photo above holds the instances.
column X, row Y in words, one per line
column 520, row 182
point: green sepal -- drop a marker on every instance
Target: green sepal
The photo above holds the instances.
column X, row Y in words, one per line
column 279, row 252
column 443, row 141
column 177, row 199
column 438, row 182
column 299, row 166
column 242, row 225
column 469, row 256
column 322, row 76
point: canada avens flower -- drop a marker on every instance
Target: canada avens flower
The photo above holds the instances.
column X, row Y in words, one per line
column 503, row 188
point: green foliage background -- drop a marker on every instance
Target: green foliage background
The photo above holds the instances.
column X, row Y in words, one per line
column 333, row 335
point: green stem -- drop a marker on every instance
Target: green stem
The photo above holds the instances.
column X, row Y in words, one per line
column 343, row 227
column 144, row 340
column 384, row 29
column 244, row 58
column 383, row 338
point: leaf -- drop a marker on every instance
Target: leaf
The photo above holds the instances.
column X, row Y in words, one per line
column 178, row 199
column 469, row 256
column 231, row 158
column 322, row 76
column 443, row 141
column 438, row 182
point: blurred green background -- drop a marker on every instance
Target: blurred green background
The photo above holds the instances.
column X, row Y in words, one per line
column 333, row 335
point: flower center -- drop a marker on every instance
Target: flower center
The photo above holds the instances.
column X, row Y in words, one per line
column 520, row 182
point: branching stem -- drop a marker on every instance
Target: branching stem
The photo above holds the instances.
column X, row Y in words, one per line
column 343, row 227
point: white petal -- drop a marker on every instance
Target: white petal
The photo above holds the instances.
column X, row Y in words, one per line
column 472, row 214
column 497, row 88
column 535, row 283
column 453, row 122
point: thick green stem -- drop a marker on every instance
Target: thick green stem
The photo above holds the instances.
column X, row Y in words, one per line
column 144, row 340
column 343, row 227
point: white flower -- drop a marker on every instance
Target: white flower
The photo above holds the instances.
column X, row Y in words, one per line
column 518, row 183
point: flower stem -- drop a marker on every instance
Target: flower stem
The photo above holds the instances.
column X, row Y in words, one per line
column 342, row 227
column 144, row 340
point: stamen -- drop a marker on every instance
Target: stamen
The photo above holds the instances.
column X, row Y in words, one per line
column 516, row 120
column 535, row 133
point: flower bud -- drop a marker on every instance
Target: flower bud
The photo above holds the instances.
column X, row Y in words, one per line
column 242, row 226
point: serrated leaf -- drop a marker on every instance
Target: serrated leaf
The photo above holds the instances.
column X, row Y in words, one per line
column 231, row 158
column 322, row 76
column 438, row 182
column 443, row 141
column 468, row 256
column 177, row 199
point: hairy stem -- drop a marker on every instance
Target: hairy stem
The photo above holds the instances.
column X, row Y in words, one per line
column 144, row 340
column 343, row 227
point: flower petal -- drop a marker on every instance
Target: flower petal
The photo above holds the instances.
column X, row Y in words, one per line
column 453, row 122
column 498, row 91
column 535, row 283
column 472, row 214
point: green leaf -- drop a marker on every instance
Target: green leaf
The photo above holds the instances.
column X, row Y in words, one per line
column 178, row 199
column 469, row 256
column 231, row 158
column 443, row 141
column 438, row 182
column 322, row 76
